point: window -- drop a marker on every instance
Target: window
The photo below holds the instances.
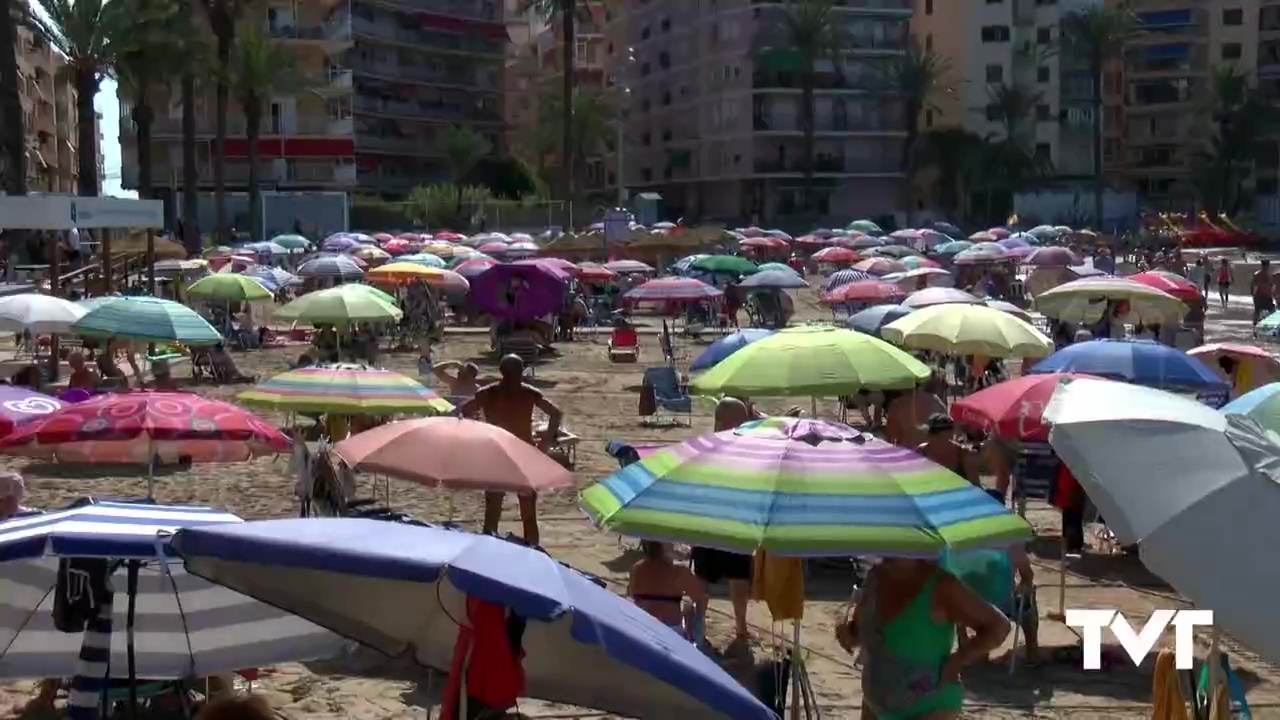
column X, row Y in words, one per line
column 1044, row 36
column 665, row 25
column 664, row 60
column 1044, row 113
column 995, row 33
column 928, row 7
column 644, row 33
column 994, row 2
column 1232, row 51
column 995, row 74
column 646, row 174
column 1042, row 74
column 1233, row 17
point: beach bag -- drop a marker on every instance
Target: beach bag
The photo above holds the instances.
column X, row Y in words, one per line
column 648, row 400
column 83, row 587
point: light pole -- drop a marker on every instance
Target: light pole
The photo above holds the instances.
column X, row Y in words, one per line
column 624, row 101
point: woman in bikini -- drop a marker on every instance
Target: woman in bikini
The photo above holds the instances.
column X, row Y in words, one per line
column 659, row 587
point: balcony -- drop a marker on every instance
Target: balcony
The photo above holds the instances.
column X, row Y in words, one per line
column 336, row 81
column 300, row 127
column 828, row 165
column 826, row 123
column 417, row 73
column 896, row 8
column 331, row 36
column 423, row 110
column 466, row 10
column 427, row 40
column 278, row 172
column 866, row 82
column 409, row 145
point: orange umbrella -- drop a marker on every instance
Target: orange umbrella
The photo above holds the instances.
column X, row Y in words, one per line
column 456, row 453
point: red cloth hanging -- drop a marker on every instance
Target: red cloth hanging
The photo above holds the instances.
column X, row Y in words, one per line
column 494, row 670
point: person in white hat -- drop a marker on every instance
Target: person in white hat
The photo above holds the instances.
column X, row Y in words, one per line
column 12, row 492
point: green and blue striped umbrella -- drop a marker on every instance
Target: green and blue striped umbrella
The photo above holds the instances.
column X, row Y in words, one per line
column 800, row 487
column 147, row 319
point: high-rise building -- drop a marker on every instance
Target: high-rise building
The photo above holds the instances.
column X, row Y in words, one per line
column 49, row 116
column 382, row 79
column 713, row 122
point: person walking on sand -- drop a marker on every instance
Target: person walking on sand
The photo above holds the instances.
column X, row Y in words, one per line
column 1261, row 288
column 509, row 404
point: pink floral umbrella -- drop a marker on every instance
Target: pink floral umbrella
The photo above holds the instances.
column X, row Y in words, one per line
column 143, row 426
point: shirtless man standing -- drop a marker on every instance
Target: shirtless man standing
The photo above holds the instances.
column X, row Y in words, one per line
column 509, row 404
column 1262, row 289
column 908, row 412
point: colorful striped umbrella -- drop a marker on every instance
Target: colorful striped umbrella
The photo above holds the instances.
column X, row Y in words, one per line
column 332, row 266
column 800, row 487
column 346, row 390
column 147, row 319
column 672, row 289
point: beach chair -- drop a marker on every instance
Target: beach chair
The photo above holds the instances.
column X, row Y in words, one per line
column 522, row 346
column 671, row 396
column 624, row 345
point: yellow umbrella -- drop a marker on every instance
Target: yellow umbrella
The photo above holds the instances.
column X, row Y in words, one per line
column 405, row 272
column 968, row 330
column 1084, row 301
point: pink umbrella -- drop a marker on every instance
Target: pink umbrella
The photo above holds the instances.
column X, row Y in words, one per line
column 628, row 266
column 456, row 453
column 1052, row 257
column 400, row 246
column 558, row 264
column 472, row 268
column 383, row 238
column 939, row 296
column 865, row 291
column 836, row 255
column 450, row 236
column 673, row 289
column 595, row 273
column 881, row 266
column 493, row 248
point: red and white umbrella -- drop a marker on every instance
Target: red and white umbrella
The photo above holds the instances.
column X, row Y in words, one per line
column 865, row 291
column 628, row 266
column 881, row 266
column 673, row 289
column 836, row 255
column 1172, row 283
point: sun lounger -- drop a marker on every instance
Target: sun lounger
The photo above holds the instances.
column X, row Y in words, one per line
column 522, row 346
column 624, row 345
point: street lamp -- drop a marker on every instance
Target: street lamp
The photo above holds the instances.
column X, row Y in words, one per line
column 624, row 101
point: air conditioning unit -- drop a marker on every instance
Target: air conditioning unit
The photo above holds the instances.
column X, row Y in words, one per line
column 1077, row 116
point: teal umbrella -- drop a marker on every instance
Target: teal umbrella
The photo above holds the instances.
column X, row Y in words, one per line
column 777, row 266
column 865, row 226
column 147, row 319
column 292, row 242
column 731, row 264
column 424, row 259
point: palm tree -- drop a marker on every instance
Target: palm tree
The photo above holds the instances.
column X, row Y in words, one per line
column 463, row 149
column 141, row 70
column 812, row 32
column 1241, row 117
column 87, row 33
column 1097, row 35
column 918, row 77
column 223, row 17
column 258, row 69
column 567, row 13
column 1007, row 160
column 951, row 152
column 593, row 114
column 13, row 144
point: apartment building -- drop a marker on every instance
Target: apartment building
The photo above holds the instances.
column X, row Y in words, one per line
column 49, row 116
column 713, row 120
column 384, row 77
column 992, row 46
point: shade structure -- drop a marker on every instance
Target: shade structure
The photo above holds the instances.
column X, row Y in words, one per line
column 727, row 264
column 628, row 266
column 939, row 296
column 726, row 346
column 781, row 267
column 38, row 314
column 775, row 279
column 1196, row 488
column 865, row 291
column 1143, row 362
column 341, row 305
column 184, row 626
column 345, row 390
column 135, row 427
column 341, row 267
column 338, row 242
column 968, row 330
column 229, row 288
column 19, row 405
column 456, row 453
column 1013, row 409
column 400, row 588
column 812, row 361
column 1174, row 284
column 1254, row 366
column 404, row 272
column 470, row 269
column 672, row 289
column 871, row 320
column 147, row 319
column 1261, row 404
column 800, row 487
column 518, row 292
column 426, row 259
column 1087, row 299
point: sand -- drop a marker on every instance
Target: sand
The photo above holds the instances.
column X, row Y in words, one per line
column 599, row 400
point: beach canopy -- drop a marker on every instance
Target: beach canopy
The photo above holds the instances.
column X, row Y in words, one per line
column 341, row 305
column 342, row 267
column 1086, row 301
column 1013, row 409
column 960, row 329
column 872, row 319
column 401, row 589
column 184, row 626
column 1142, row 362
column 38, row 313
column 726, row 346
column 229, row 288
column 672, row 289
column 345, row 390
column 147, row 319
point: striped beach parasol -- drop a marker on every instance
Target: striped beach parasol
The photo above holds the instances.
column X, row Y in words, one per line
column 147, row 319
column 345, row 390
column 332, row 266
column 800, row 487
column 672, row 289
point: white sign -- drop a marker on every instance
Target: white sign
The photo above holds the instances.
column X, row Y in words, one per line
column 64, row 212
column 617, row 224
column 1138, row 644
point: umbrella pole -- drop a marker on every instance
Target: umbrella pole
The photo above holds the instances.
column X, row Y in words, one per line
column 1062, row 579
column 129, row 638
column 151, row 470
column 1215, row 665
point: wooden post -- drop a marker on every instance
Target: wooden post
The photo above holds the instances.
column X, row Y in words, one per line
column 151, row 262
column 106, row 261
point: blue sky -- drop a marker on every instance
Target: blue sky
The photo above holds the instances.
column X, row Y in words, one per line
column 107, row 104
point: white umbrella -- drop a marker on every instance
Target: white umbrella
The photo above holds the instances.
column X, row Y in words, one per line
column 38, row 313
column 1198, row 489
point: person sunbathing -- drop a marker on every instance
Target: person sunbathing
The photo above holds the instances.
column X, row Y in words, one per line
column 460, row 378
column 83, row 376
column 660, row 587
column 224, row 367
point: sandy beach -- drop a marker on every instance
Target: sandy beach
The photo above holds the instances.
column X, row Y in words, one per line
column 599, row 400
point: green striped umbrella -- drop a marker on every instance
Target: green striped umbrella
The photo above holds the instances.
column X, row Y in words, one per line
column 341, row 305
column 725, row 264
column 228, row 288
column 147, row 319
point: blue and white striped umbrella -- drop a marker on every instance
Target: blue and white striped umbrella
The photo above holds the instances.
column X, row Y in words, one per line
column 183, row 627
column 147, row 319
column 332, row 266
column 844, row 277
column 268, row 248
column 273, row 275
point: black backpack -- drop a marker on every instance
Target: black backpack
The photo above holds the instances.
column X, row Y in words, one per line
column 84, row 586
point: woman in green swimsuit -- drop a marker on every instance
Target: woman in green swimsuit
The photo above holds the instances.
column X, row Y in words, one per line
column 905, row 622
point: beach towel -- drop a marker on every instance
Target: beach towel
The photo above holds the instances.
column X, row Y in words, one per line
column 779, row 582
column 1166, row 691
column 1239, row 705
column 489, row 653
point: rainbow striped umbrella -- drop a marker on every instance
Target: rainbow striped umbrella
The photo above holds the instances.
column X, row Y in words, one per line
column 800, row 487
column 346, row 390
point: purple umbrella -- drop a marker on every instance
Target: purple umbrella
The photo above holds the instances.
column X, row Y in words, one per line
column 1052, row 257
column 338, row 243
column 19, row 404
column 517, row 292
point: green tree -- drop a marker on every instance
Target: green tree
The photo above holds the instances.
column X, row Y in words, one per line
column 13, row 137
column 591, row 133
column 951, row 151
column 224, row 18
column 1098, row 35
column 1241, row 118
column 462, row 149
column 142, row 70
column 259, row 68
column 437, row 206
column 568, row 13
column 918, row 76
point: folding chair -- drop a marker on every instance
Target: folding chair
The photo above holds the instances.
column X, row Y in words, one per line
column 624, row 345
column 671, row 396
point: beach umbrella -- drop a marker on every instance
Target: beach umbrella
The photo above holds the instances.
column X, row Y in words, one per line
column 1014, row 242
column 906, row 236
column 560, row 272
column 870, row 320
column 292, row 242
column 955, row 247
column 345, row 390
column 229, row 288
column 182, row 626
column 863, row 243
column 880, row 266
column 947, row 228
column 147, row 319
column 800, row 487
column 340, row 242
column 177, row 267
column 1262, row 404
column 1012, row 409
column 401, row 590
column 836, row 255
column 1051, row 257
column 400, row 246
column 595, row 273
column 362, row 238
column 370, row 253
column 780, row 267
column 1254, row 366
column 518, row 292
column 1085, row 301
column 264, row 248
column 864, row 291
column 682, row 265
column 19, row 405
column 402, row 272
column 560, row 264
column 1142, row 362
column 725, row 264
column 936, row 276
column 844, row 277
column 623, row 267
column 865, row 226
column 1043, row 232
column 939, row 296
column 763, row 242
column 979, row 254
column 1194, row 488
column 342, row 305
column 1172, row 283
column 779, row 279
column 1005, row 306
column 959, row 329
column 812, row 361
column 521, row 250
column 38, row 314
column 493, row 248
column 273, row 275
column 456, row 453
column 982, row 236
column 469, row 269
column 425, row 259
column 726, row 346
column 341, row 267
column 672, row 289
column 897, row 252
